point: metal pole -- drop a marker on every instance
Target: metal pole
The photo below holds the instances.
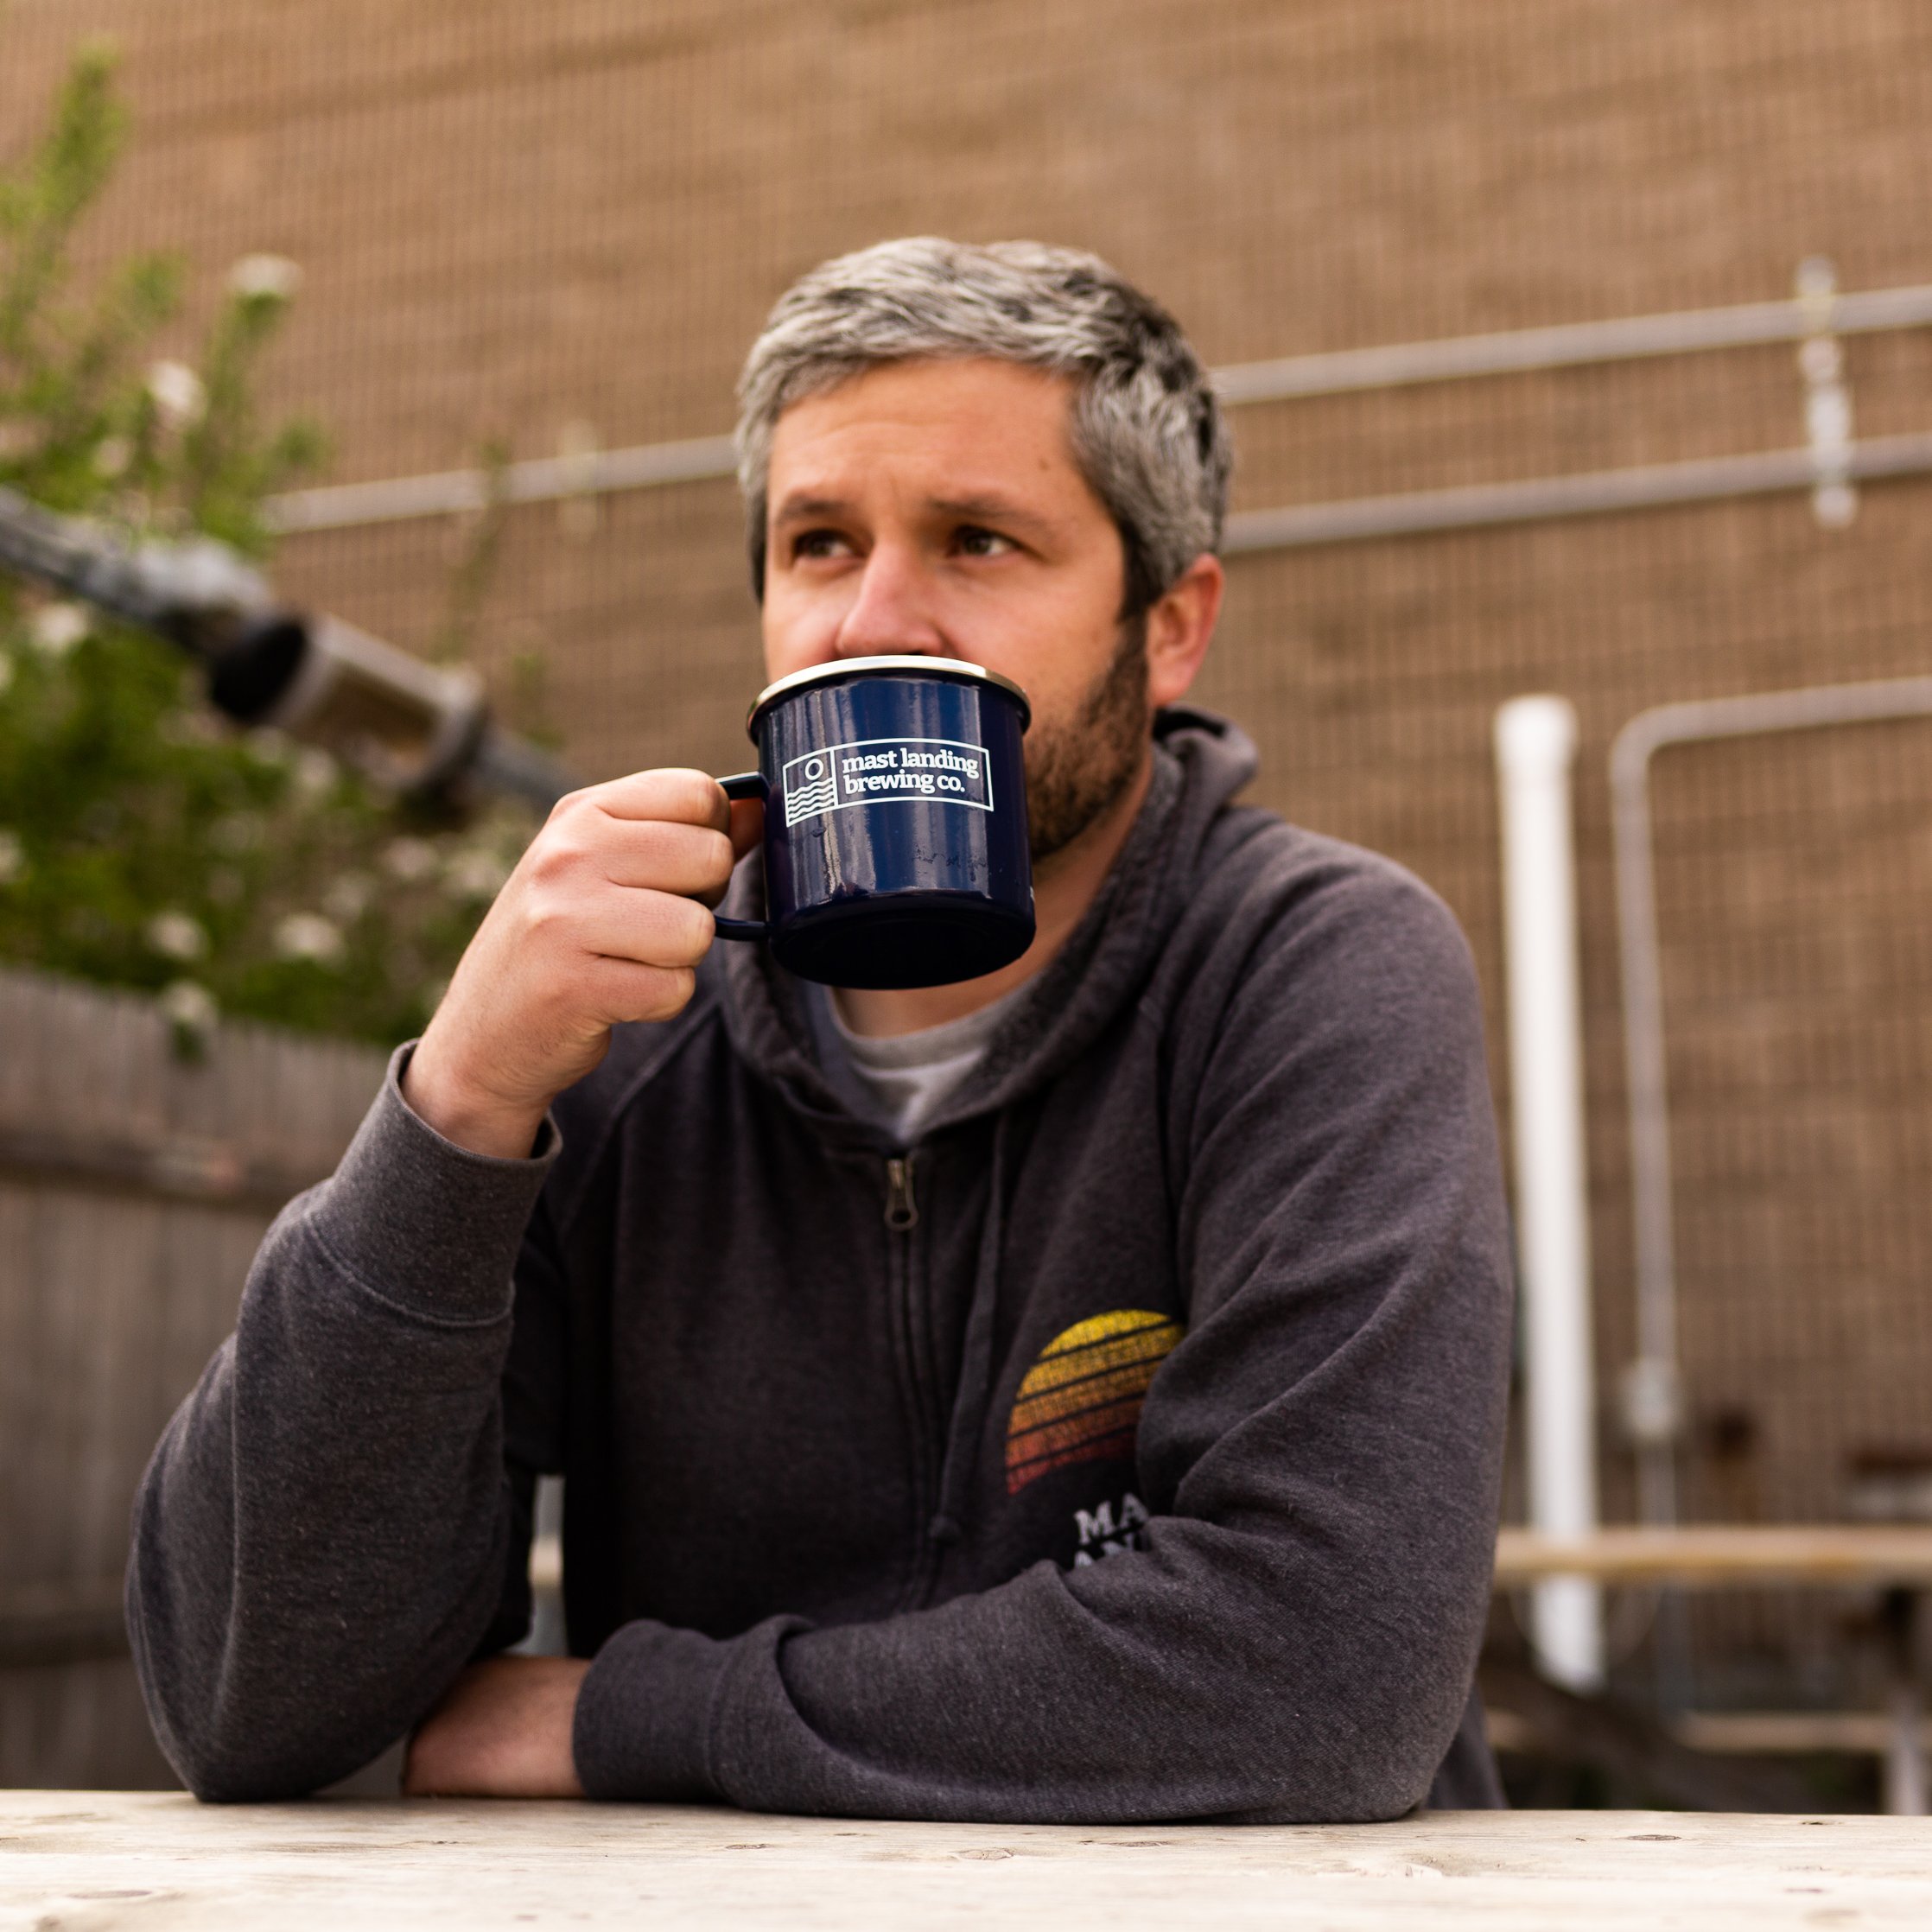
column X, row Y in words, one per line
column 1544, row 498
column 1568, row 346
column 1536, row 746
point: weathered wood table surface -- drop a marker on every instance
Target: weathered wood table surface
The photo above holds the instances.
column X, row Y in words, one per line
column 84, row 1861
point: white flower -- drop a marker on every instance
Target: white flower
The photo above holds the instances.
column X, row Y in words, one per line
column 309, row 936
column 56, row 628
column 410, row 860
column 270, row 746
column 189, row 1006
column 178, row 394
column 315, row 774
column 257, row 277
column 112, row 455
column 13, row 858
column 475, row 873
column 348, row 898
column 176, row 936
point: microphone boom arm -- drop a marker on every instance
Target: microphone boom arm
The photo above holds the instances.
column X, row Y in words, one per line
column 409, row 726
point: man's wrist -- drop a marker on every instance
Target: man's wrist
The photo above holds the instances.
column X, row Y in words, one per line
column 479, row 1123
column 503, row 1731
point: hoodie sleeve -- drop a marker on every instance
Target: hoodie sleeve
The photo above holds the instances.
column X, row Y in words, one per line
column 1322, row 1453
column 322, row 1536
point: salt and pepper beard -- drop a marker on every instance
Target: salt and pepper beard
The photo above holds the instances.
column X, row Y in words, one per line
column 1075, row 770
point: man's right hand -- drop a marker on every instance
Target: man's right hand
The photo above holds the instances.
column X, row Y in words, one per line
column 604, row 920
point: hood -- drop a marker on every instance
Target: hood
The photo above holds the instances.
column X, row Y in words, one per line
column 1200, row 761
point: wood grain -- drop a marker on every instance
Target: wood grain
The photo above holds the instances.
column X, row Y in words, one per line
column 134, row 1188
column 89, row 1861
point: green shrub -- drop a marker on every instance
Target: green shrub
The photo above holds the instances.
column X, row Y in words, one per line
column 143, row 842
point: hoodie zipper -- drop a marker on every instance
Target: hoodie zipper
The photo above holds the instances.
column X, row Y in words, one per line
column 902, row 1214
column 902, row 1207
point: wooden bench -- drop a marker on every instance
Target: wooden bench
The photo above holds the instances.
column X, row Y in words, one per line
column 1722, row 1556
column 1718, row 1556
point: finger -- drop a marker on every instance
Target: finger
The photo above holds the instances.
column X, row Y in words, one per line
column 691, row 797
column 665, row 855
column 748, row 830
column 626, row 991
column 645, row 927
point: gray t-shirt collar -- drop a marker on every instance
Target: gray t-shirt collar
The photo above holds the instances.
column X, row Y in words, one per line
column 899, row 1081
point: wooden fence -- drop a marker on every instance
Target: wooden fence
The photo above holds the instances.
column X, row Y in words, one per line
column 134, row 1187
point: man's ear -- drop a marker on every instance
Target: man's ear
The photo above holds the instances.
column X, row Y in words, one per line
column 1180, row 625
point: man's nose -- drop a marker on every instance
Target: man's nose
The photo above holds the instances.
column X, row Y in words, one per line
column 895, row 613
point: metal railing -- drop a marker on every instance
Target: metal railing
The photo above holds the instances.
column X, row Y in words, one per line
column 1652, row 1400
column 1817, row 312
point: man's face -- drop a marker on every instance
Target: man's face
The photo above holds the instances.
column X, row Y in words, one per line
column 935, row 508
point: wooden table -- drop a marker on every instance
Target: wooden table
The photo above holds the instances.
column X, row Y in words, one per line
column 86, row 1861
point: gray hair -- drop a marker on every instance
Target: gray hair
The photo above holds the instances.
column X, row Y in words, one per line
column 1148, row 434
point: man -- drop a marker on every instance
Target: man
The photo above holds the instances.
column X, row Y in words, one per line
column 1075, row 1394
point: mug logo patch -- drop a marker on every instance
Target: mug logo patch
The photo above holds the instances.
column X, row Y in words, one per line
column 875, row 769
column 1081, row 1402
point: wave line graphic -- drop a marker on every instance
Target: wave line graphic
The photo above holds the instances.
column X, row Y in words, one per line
column 807, row 801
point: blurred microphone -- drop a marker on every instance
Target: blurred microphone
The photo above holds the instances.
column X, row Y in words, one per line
column 407, row 726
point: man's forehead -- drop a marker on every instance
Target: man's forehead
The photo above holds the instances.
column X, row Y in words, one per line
column 966, row 393
column 987, row 431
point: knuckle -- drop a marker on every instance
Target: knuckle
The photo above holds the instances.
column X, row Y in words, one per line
column 546, row 912
column 559, row 855
column 559, row 847
column 574, row 806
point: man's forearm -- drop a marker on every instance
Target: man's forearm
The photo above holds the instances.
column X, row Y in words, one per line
column 321, row 1538
column 1194, row 1679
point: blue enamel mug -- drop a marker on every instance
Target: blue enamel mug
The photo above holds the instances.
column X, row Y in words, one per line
column 895, row 822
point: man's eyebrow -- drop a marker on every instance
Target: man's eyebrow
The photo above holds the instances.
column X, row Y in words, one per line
column 995, row 509
column 979, row 509
column 793, row 507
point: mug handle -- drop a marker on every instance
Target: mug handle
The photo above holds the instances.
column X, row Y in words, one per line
column 745, row 785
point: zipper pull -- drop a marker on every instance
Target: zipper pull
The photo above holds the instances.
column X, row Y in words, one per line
column 901, row 1209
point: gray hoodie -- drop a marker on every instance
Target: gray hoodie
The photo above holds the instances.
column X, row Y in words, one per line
column 1128, row 1448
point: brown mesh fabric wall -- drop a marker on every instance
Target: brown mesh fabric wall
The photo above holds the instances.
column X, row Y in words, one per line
column 515, row 219
column 1794, row 872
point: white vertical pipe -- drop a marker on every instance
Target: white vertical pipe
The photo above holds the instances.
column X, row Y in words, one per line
column 1536, row 746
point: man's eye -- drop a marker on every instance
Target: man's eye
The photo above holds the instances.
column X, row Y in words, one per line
column 973, row 541
column 818, row 542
